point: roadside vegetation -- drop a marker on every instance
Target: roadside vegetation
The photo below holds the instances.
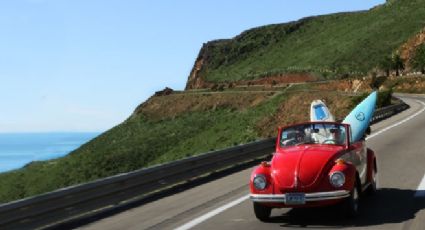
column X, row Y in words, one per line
column 418, row 61
column 167, row 128
column 411, row 84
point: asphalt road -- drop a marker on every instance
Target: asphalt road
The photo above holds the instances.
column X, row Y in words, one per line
column 223, row 204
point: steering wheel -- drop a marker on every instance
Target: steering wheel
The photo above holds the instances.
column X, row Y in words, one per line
column 331, row 141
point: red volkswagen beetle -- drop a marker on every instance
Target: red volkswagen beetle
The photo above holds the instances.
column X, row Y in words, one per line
column 315, row 164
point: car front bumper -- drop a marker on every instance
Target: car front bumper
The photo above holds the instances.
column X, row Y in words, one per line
column 309, row 197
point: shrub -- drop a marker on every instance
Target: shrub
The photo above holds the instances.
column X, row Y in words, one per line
column 384, row 98
column 418, row 61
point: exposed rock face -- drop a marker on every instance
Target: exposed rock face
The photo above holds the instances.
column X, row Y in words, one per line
column 408, row 49
column 164, row 92
column 196, row 80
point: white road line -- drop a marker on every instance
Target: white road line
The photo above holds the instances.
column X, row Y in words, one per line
column 218, row 210
column 420, row 191
column 214, row 212
column 398, row 123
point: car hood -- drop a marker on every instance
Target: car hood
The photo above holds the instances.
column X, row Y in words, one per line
column 301, row 166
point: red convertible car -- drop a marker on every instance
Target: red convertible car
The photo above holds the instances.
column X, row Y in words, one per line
column 315, row 164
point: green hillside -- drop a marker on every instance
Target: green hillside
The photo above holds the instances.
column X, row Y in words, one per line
column 329, row 46
column 164, row 129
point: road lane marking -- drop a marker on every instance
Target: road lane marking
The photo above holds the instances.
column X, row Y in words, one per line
column 400, row 122
column 420, row 191
column 214, row 212
column 218, row 210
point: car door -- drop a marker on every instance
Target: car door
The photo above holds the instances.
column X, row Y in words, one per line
column 358, row 156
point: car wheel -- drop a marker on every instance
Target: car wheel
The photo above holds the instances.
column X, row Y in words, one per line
column 352, row 202
column 262, row 212
column 371, row 190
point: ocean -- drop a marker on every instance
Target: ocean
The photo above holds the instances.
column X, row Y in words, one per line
column 19, row 149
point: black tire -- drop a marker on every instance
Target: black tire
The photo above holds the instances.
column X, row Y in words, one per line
column 262, row 212
column 351, row 204
column 371, row 190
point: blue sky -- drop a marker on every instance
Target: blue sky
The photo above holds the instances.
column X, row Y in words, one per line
column 84, row 65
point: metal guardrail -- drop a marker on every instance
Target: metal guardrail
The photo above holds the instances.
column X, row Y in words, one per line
column 62, row 204
column 72, row 202
column 383, row 113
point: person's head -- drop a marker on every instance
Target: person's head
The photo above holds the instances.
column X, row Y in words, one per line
column 337, row 131
column 336, row 134
column 299, row 136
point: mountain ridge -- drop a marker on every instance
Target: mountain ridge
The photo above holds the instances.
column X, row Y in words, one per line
column 329, row 46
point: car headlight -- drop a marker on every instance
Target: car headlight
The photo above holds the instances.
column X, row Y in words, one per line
column 337, row 179
column 260, row 182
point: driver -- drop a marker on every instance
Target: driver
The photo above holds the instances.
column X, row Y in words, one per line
column 336, row 136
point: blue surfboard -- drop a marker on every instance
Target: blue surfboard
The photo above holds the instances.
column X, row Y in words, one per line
column 359, row 118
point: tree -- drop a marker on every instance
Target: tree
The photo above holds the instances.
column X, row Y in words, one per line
column 392, row 63
column 418, row 61
column 386, row 65
column 397, row 63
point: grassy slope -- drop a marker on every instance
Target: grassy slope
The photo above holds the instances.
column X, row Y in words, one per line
column 342, row 43
column 145, row 140
column 137, row 143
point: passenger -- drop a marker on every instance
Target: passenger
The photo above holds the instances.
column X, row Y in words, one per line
column 293, row 138
column 300, row 137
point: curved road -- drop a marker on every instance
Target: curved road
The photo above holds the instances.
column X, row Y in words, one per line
column 399, row 143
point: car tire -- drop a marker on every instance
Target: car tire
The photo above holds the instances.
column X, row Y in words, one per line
column 262, row 212
column 371, row 190
column 351, row 204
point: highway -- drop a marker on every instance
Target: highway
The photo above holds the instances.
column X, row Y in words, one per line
column 399, row 143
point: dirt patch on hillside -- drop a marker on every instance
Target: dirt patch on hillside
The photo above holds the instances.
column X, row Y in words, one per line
column 348, row 85
column 197, row 82
column 297, row 109
column 408, row 49
column 162, row 107
column 407, row 84
column 279, row 79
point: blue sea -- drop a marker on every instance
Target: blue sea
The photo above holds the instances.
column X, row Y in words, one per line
column 19, row 149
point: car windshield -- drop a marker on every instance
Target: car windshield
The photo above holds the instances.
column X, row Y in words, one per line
column 317, row 133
